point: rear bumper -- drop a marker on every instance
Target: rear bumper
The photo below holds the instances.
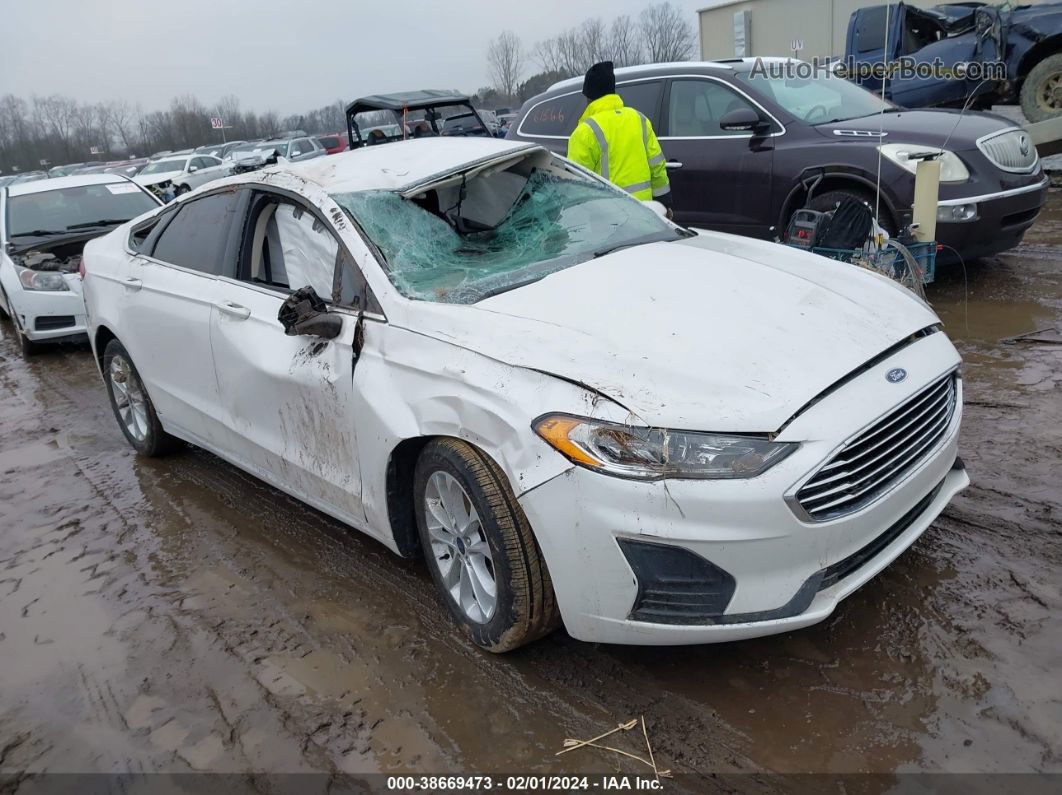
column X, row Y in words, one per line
column 1002, row 221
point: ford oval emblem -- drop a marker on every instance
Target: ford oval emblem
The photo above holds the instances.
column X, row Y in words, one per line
column 896, row 375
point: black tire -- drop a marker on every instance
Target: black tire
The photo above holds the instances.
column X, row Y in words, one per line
column 525, row 607
column 155, row 441
column 1041, row 93
column 828, row 201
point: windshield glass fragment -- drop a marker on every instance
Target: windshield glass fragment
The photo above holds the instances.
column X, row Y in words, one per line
column 460, row 243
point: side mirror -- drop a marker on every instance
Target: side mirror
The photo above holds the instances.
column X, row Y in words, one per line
column 192, row 168
column 743, row 120
column 304, row 313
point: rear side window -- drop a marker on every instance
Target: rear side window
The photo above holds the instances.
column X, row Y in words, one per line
column 870, row 29
column 196, row 238
column 329, row 142
column 643, row 97
column 554, row 116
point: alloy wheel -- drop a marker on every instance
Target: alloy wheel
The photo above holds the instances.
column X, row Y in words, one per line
column 459, row 547
column 129, row 398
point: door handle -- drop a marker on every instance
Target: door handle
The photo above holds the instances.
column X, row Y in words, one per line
column 133, row 283
column 672, row 164
column 235, row 310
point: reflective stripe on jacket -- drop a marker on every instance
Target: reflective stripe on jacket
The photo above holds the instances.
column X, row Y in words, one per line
column 618, row 143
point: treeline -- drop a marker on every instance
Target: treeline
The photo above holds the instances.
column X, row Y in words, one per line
column 660, row 34
column 58, row 129
column 61, row 130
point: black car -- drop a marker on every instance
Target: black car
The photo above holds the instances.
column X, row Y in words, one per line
column 750, row 142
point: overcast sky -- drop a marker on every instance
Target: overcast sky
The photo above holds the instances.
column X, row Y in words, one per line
column 284, row 55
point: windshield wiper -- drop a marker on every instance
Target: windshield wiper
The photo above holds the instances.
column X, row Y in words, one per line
column 39, row 233
column 101, row 222
column 640, row 241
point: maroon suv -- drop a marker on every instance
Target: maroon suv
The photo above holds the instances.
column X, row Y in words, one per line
column 747, row 146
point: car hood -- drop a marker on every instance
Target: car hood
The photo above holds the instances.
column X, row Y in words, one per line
column 929, row 127
column 715, row 333
column 154, row 179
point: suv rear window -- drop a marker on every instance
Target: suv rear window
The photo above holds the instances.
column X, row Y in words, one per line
column 329, row 141
column 559, row 116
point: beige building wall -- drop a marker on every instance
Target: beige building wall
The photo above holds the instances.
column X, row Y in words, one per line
column 774, row 24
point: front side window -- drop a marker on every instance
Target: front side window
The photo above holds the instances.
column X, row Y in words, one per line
column 196, row 238
column 291, row 248
column 38, row 215
column 696, row 107
column 508, row 229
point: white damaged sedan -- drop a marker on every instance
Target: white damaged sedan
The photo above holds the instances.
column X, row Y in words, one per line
column 479, row 353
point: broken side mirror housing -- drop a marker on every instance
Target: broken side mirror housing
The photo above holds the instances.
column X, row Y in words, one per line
column 743, row 120
column 305, row 313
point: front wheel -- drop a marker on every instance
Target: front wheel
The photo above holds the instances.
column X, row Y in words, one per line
column 828, row 201
column 131, row 405
column 27, row 346
column 1041, row 93
column 479, row 547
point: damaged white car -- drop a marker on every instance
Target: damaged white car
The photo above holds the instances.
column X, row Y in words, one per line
column 477, row 352
column 44, row 226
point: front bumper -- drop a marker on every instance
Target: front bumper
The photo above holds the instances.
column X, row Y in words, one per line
column 1002, row 221
column 787, row 573
column 46, row 315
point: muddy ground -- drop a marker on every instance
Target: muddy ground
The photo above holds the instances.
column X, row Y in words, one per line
column 178, row 615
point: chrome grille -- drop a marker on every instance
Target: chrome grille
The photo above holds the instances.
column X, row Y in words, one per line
column 871, row 463
column 1011, row 150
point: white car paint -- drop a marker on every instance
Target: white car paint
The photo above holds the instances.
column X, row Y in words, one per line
column 25, row 307
column 714, row 334
column 188, row 172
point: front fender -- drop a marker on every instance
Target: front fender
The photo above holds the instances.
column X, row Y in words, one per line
column 410, row 386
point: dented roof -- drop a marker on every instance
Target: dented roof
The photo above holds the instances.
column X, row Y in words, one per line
column 400, row 164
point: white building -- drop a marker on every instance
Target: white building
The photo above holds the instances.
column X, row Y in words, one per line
column 775, row 27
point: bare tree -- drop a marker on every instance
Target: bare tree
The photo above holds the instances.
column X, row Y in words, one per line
column 593, row 39
column 505, row 55
column 547, row 56
column 623, row 43
column 666, row 34
column 120, row 120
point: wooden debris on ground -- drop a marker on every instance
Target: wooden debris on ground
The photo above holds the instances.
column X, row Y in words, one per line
column 595, row 742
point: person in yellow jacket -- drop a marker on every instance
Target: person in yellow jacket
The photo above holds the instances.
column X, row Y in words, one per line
column 618, row 142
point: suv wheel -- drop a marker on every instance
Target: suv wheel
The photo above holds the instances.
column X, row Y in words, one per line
column 131, row 405
column 480, row 549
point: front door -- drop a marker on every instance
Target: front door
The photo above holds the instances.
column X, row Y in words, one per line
column 719, row 180
column 289, row 400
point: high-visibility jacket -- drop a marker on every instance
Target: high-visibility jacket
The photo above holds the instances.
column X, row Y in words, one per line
column 618, row 143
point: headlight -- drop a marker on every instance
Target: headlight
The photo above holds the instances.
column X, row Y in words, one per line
column 957, row 213
column 41, row 280
column 655, row 453
column 906, row 156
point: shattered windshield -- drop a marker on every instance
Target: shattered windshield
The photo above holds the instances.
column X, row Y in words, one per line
column 437, row 247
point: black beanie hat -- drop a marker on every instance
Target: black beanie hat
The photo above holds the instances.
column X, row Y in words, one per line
column 600, row 80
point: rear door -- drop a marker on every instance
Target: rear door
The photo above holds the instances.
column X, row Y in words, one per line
column 720, row 180
column 170, row 290
column 289, row 400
